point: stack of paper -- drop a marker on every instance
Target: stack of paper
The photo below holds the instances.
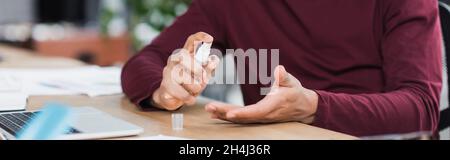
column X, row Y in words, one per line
column 159, row 137
column 8, row 83
column 91, row 81
column 11, row 96
column 11, row 101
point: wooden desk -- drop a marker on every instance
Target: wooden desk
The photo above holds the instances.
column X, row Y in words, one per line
column 198, row 125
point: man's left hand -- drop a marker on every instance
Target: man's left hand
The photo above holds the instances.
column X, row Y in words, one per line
column 288, row 101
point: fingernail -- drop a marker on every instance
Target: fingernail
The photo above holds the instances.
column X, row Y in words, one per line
column 282, row 68
column 209, row 38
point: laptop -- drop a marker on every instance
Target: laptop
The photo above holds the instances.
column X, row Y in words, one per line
column 90, row 124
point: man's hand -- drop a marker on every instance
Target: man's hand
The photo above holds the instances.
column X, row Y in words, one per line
column 288, row 101
column 184, row 78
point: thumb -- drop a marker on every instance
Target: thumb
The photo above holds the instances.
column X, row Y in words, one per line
column 284, row 79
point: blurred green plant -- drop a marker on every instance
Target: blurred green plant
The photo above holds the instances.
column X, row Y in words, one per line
column 157, row 13
column 145, row 18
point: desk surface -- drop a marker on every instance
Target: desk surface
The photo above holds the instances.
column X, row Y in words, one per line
column 197, row 125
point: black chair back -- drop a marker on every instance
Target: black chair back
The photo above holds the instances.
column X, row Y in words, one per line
column 444, row 11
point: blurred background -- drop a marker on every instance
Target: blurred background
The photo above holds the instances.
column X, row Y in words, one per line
column 102, row 32
column 97, row 32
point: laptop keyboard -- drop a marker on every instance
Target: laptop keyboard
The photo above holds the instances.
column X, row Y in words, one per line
column 14, row 122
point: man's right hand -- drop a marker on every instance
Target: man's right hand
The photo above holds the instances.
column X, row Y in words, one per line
column 183, row 77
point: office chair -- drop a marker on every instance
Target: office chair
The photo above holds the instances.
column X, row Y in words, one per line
column 444, row 12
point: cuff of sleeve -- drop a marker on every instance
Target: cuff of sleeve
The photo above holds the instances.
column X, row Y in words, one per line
column 144, row 102
column 323, row 110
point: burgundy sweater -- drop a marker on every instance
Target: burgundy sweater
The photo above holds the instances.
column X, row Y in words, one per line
column 376, row 64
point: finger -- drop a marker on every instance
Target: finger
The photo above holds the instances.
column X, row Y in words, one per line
column 279, row 76
column 235, row 114
column 175, row 74
column 257, row 113
column 169, row 102
column 194, row 40
column 283, row 78
column 250, row 114
column 191, row 66
column 220, row 110
column 178, row 92
column 192, row 84
column 174, row 59
column 210, row 67
column 193, row 89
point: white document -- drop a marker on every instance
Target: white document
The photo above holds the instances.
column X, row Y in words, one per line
column 159, row 137
column 9, row 83
column 91, row 80
column 10, row 101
